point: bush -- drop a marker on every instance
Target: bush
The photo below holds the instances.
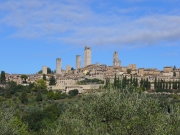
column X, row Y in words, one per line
column 16, row 94
column 24, row 98
column 57, row 96
column 50, row 94
column 10, row 125
column 37, row 119
column 14, row 99
column 73, row 92
column 39, row 97
column 176, row 96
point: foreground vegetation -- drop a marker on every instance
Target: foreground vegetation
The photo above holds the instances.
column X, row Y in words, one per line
column 123, row 111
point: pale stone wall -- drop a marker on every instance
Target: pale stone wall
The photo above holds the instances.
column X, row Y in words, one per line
column 132, row 66
column 134, row 72
column 44, row 70
column 87, row 56
column 58, row 65
column 65, row 82
column 141, row 71
column 167, row 73
column 150, row 71
column 168, row 69
column 124, row 69
column 88, row 87
column 81, row 88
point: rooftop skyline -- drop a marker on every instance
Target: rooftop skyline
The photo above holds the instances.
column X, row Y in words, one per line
column 35, row 33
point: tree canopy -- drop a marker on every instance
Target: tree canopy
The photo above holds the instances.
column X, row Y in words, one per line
column 40, row 85
column 52, row 80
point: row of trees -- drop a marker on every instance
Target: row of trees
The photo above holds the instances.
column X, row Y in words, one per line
column 160, row 84
column 124, row 82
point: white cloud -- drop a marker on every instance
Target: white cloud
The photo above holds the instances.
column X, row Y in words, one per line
column 78, row 23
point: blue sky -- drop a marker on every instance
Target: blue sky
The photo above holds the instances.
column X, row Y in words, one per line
column 34, row 33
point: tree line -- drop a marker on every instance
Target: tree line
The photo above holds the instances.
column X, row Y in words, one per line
column 132, row 81
column 161, row 84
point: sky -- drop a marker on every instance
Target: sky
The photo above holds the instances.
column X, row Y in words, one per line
column 33, row 33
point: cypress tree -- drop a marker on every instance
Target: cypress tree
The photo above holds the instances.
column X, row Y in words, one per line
column 123, row 82
column 52, row 80
column 160, row 85
column 146, row 83
column 173, row 85
column 149, row 85
column 115, row 82
column 44, row 77
column 106, row 83
column 131, row 80
column 136, row 83
column 141, row 83
column 155, row 83
column 169, row 84
column 166, row 85
column 163, row 85
column 118, row 83
column 3, row 78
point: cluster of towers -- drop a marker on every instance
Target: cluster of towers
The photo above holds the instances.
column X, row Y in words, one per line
column 87, row 61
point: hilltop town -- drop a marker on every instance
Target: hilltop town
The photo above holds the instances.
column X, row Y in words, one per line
column 69, row 78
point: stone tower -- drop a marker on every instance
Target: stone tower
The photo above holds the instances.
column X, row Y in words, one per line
column 87, row 56
column 58, row 65
column 44, row 70
column 78, row 62
column 68, row 68
column 116, row 61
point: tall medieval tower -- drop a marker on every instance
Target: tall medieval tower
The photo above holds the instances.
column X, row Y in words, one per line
column 116, row 61
column 58, row 65
column 44, row 70
column 78, row 62
column 87, row 56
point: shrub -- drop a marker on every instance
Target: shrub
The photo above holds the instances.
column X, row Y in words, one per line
column 24, row 98
column 73, row 92
column 50, row 94
column 39, row 97
column 176, row 96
